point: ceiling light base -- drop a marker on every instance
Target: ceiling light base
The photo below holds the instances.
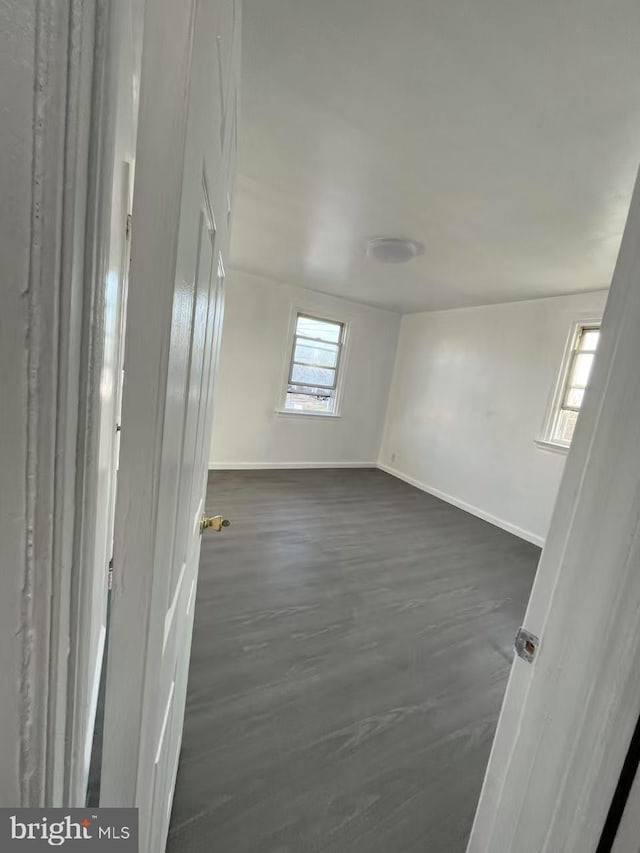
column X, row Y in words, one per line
column 393, row 250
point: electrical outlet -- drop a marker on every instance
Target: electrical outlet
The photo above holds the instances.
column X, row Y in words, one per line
column 393, row 457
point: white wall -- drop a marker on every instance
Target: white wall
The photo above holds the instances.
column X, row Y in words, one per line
column 247, row 430
column 469, row 395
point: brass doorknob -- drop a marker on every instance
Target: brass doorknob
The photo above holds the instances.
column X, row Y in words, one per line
column 215, row 522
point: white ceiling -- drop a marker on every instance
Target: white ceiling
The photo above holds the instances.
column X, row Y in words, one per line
column 503, row 134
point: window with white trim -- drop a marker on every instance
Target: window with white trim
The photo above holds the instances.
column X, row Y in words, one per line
column 312, row 383
column 573, row 381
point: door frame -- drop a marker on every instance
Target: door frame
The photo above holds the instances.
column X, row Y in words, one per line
column 118, row 37
column 65, row 57
column 567, row 718
column 46, row 393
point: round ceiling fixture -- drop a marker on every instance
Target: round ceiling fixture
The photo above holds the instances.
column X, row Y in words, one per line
column 393, row 250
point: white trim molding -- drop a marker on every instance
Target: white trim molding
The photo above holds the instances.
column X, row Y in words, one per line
column 527, row 535
column 552, row 446
column 297, row 413
column 278, row 466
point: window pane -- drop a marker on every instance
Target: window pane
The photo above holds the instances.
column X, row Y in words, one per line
column 312, row 328
column 323, row 355
column 309, row 402
column 589, row 339
column 565, row 426
column 574, row 397
column 581, row 369
column 300, row 373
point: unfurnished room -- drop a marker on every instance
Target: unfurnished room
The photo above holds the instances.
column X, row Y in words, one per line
column 425, row 228
column 321, row 425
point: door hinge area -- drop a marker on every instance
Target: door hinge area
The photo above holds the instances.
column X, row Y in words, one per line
column 110, row 575
column 127, row 229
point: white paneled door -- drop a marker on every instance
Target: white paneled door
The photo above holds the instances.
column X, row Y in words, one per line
column 182, row 192
column 197, row 308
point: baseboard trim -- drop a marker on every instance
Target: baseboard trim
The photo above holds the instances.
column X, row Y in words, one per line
column 277, row 466
column 473, row 510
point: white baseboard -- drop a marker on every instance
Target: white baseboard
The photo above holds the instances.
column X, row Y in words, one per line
column 277, row 466
column 474, row 510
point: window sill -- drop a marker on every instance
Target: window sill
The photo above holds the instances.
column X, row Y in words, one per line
column 300, row 414
column 553, row 446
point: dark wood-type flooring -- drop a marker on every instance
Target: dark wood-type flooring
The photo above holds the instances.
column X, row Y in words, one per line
column 351, row 647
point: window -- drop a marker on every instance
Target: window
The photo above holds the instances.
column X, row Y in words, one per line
column 573, row 380
column 312, row 383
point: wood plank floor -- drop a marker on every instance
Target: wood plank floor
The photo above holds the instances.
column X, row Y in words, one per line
column 351, row 648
